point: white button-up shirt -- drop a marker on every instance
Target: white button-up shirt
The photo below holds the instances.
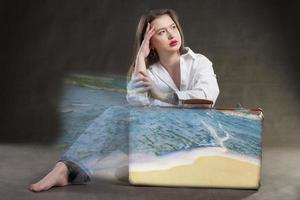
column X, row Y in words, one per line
column 198, row 81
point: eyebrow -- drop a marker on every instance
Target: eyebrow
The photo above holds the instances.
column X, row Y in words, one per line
column 164, row 27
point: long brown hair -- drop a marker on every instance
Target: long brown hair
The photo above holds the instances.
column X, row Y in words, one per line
column 140, row 31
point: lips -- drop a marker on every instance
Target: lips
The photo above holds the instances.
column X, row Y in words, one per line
column 173, row 43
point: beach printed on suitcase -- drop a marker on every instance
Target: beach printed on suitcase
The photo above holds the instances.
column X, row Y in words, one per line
column 195, row 147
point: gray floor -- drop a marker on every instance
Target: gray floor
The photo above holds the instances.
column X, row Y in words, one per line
column 22, row 165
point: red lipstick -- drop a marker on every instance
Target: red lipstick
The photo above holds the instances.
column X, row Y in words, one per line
column 173, row 43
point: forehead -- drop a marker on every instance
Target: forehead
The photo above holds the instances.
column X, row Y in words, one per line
column 162, row 21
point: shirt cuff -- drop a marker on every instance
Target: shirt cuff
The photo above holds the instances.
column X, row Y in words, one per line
column 182, row 95
column 185, row 95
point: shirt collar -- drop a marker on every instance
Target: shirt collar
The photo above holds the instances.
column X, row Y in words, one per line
column 162, row 73
column 189, row 53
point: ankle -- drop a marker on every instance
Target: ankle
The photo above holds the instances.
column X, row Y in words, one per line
column 62, row 167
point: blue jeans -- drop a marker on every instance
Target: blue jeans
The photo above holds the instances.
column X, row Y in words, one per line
column 107, row 135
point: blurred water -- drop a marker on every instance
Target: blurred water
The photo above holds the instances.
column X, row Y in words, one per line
column 80, row 106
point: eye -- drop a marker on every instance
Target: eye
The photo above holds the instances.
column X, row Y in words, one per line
column 161, row 32
column 174, row 26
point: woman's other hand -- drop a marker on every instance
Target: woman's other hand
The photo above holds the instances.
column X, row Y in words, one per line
column 142, row 83
column 138, row 84
column 155, row 93
column 150, row 86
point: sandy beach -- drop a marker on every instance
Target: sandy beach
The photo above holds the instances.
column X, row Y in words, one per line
column 208, row 171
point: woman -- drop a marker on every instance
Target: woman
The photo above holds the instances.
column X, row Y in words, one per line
column 163, row 73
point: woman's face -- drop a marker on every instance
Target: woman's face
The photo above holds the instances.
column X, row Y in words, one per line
column 167, row 38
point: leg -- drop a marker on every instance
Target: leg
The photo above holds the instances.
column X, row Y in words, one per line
column 106, row 136
column 108, row 132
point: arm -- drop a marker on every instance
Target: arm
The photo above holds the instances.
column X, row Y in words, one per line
column 137, row 94
column 204, row 83
column 155, row 93
column 170, row 98
column 137, row 91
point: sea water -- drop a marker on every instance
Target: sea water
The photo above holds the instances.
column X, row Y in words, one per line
column 158, row 132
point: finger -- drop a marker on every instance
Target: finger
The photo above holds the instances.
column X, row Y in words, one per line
column 149, row 33
column 142, row 79
column 146, row 83
column 152, row 32
column 134, row 79
column 148, row 88
column 142, row 87
column 141, row 73
column 148, row 27
column 137, row 76
column 152, row 29
column 145, row 78
column 141, row 90
column 144, row 74
column 140, row 84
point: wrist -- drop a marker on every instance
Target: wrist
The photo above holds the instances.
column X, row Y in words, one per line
column 140, row 56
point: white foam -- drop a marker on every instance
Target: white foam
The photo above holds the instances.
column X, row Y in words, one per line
column 212, row 130
column 143, row 162
column 244, row 115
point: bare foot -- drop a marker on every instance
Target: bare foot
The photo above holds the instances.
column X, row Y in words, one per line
column 57, row 177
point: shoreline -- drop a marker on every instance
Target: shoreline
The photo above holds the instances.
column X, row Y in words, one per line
column 208, row 171
column 144, row 163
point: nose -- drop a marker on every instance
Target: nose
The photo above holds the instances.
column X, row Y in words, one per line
column 170, row 36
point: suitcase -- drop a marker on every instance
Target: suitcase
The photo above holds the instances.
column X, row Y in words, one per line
column 195, row 145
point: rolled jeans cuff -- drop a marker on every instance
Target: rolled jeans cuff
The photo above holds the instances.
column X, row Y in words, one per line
column 76, row 174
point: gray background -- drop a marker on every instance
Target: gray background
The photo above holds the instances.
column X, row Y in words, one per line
column 252, row 44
